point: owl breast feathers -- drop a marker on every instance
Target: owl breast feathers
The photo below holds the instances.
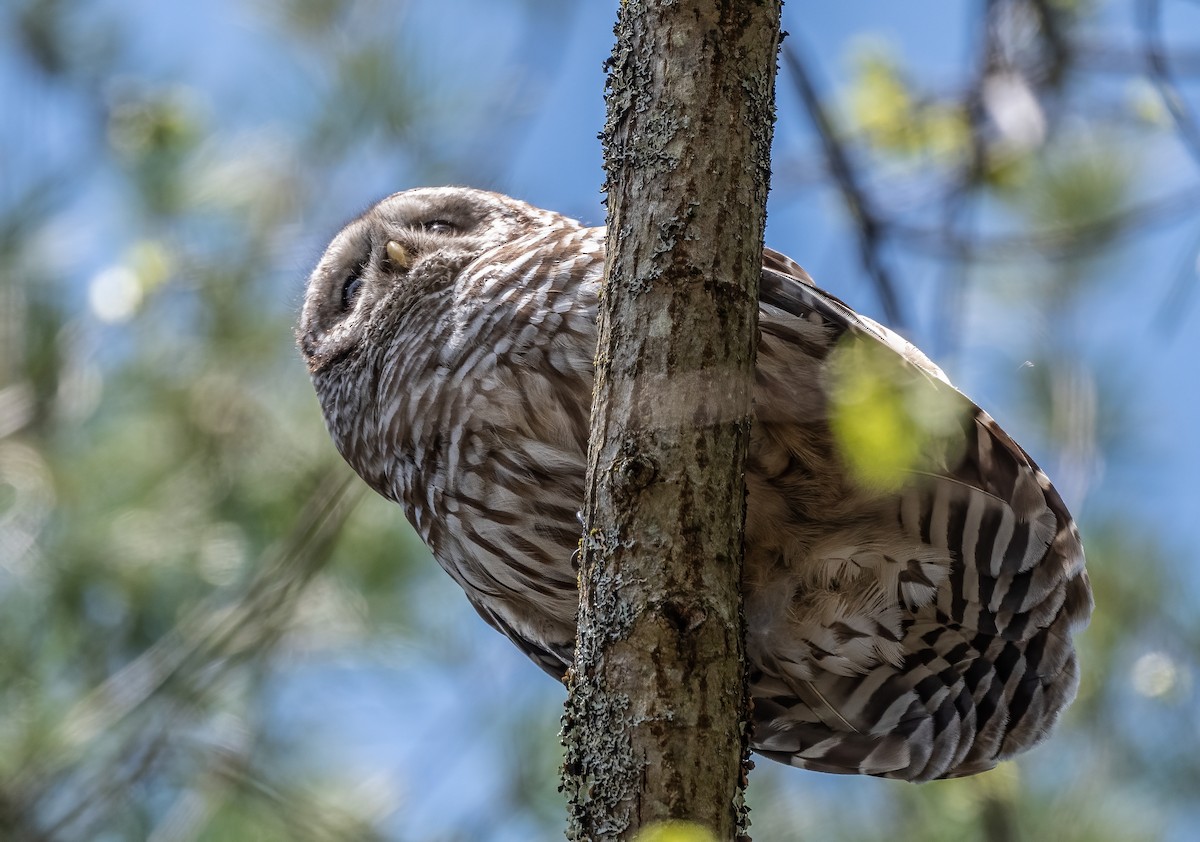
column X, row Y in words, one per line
column 910, row 623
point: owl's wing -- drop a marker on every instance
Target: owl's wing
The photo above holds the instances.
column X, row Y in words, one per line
column 554, row 660
column 926, row 631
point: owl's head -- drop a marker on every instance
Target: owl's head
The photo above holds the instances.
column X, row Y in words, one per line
column 403, row 244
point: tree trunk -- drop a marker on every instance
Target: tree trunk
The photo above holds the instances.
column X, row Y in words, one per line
column 656, row 723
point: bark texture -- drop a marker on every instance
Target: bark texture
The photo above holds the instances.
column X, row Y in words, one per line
column 656, row 722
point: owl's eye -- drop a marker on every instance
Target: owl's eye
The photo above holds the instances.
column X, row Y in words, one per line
column 438, row 226
column 350, row 286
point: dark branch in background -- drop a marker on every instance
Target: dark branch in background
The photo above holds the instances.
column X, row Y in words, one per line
column 869, row 224
column 1056, row 40
column 1162, row 76
column 1179, row 297
column 951, row 296
column 875, row 224
column 1062, row 244
column 945, row 242
column 1105, row 58
column 1155, row 54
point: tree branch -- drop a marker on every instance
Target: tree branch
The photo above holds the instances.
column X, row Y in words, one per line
column 1155, row 53
column 867, row 222
column 656, row 721
column 1060, row 244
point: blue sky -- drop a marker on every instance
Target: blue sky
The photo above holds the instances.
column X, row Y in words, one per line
column 529, row 128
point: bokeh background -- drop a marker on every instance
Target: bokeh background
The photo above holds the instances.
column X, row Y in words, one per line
column 208, row 631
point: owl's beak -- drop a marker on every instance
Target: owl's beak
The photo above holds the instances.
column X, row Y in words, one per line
column 399, row 254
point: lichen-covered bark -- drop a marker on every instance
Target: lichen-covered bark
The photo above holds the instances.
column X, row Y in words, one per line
column 655, row 725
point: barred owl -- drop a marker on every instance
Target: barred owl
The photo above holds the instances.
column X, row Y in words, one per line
column 917, row 632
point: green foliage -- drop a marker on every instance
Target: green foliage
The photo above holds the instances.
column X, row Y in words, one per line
column 675, row 831
column 882, row 106
column 887, row 421
column 1080, row 183
column 168, row 497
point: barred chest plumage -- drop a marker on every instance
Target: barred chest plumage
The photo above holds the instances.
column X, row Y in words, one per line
column 916, row 626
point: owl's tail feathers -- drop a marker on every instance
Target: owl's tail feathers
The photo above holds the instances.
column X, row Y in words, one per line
column 954, row 708
column 878, row 755
column 913, row 750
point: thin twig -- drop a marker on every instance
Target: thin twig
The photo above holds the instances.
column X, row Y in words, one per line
column 1179, row 297
column 1059, row 244
column 869, row 225
column 1154, row 51
column 1056, row 39
column 1109, row 58
column 954, row 278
